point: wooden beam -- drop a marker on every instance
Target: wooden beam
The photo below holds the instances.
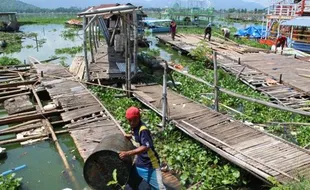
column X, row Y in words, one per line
column 114, row 30
column 9, row 120
column 62, row 154
column 18, row 83
column 37, row 98
column 3, row 98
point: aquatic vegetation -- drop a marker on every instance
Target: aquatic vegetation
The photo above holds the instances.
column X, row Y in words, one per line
column 71, row 51
column 9, row 61
column 190, row 160
column 10, row 182
column 45, row 19
column 70, row 34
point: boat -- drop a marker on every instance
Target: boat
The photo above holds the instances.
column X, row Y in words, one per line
column 157, row 26
column 8, row 22
column 290, row 18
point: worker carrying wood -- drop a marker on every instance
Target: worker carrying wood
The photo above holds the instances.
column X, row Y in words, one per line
column 208, row 31
column 226, row 32
column 281, row 42
column 173, row 29
column 147, row 164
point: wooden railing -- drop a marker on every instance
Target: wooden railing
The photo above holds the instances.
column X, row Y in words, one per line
column 283, row 10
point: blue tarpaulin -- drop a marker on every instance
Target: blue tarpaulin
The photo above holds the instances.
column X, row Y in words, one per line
column 252, row 32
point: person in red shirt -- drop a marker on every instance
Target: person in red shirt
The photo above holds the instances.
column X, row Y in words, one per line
column 173, row 29
column 281, row 42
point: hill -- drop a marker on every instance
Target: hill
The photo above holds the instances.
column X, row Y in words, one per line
column 16, row 6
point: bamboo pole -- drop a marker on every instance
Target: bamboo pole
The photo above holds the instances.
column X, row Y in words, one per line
column 85, row 49
column 164, row 98
column 135, row 36
column 126, row 53
column 216, row 89
column 62, row 154
column 20, row 125
column 90, row 40
column 93, row 33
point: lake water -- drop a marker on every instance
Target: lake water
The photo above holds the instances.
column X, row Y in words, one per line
column 44, row 167
column 53, row 40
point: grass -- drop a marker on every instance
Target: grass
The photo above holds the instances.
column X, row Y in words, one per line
column 45, row 19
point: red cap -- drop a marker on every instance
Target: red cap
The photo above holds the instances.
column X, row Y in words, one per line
column 132, row 113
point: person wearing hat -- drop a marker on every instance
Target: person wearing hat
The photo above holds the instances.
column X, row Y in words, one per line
column 147, row 163
column 208, row 31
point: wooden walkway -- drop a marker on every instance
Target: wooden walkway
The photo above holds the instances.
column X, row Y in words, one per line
column 262, row 154
column 77, row 109
column 108, row 65
column 258, row 69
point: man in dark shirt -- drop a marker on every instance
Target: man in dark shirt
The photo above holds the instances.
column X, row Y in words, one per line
column 281, row 42
column 208, row 32
column 147, row 160
column 173, row 29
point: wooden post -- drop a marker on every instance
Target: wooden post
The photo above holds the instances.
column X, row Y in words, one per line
column 239, row 60
column 90, row 41
column 164, row 98
column 216, row 89
column 93, row 33
column 96, row 34
column 292, row 32
column 280, row 81
column 126, row 54
column 36, row 37
column 129, row 51
column 135, row 36
column 85, row 49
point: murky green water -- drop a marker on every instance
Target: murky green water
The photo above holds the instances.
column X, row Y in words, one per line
column 45, row 169
column 53, row 40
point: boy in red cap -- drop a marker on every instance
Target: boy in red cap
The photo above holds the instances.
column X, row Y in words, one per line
column 147, row 161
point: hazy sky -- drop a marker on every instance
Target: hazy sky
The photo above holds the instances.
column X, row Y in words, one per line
column 85, row 3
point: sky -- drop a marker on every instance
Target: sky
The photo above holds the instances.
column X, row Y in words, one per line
column 86, row 3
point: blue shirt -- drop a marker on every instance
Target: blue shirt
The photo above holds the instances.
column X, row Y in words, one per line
column 148, row 159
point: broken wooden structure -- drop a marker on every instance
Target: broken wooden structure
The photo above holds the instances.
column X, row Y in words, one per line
column 113, row 57
column 262, row 154
column 281, row 78
column 44, row 100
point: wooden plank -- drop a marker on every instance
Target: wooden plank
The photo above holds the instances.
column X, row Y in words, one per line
column 9, row 120
column 143, row 95
column 78, row 113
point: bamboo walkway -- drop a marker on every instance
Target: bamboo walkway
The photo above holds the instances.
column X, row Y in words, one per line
column 262, row 154
column 284, row 79
column 76, row 109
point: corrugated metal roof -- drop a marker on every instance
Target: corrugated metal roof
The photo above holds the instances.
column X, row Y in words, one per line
column 299, row 21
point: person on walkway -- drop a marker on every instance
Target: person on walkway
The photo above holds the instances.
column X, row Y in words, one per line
column 173, row 29
column 208, row 32
column 226, row 32
column 147, row 164
column 281, row 42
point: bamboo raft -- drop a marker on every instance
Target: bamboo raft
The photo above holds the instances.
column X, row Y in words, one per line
column 262, row 154
column 283, row 79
